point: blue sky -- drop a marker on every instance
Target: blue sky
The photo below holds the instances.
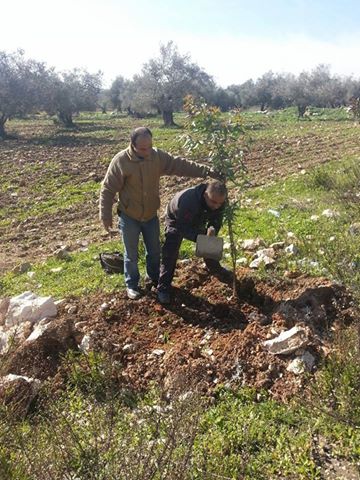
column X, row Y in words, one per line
column 231, row 40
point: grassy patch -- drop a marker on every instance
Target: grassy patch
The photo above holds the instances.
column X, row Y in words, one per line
column 79, row 275
column 244, row 434
column 309, row 212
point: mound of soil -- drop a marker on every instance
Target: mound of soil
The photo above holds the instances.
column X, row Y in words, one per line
column 204, row 338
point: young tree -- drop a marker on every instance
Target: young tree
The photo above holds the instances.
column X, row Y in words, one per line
column 166, row 80
column 216, row 136
column 21, row 86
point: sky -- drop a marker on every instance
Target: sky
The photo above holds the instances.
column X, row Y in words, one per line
column 231, row 40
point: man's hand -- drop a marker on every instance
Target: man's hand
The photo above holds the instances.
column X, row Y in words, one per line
column 211, row 232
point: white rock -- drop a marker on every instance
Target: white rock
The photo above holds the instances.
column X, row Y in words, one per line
column 291, row 235
column 258, row 261
column 85, row 344
column 313, row 264
column 16, row 333
column 128, row 348
column 314, row 218
column 62, row 253
column 158, row 352
column 288, row 341
column 251, row 244
column 29, row 307
column 292, row 249
column 300, row 364
column 266, row 252
column 4, row 341
column 30, row 274
column 328, row 213
column 354, row 229
column 38, row 331
column 12, row 378
column 242, row 261
column 56, row 270
column 274, row 212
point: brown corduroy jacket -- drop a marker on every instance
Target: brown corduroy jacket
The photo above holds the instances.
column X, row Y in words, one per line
column 136, row 181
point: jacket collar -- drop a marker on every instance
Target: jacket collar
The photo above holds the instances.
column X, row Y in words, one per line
column 133, row 157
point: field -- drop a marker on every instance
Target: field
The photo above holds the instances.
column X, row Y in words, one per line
column 251, row 416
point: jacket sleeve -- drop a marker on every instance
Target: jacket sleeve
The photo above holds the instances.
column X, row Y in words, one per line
column 185, row 212
column 170, row 165
column 111, row 185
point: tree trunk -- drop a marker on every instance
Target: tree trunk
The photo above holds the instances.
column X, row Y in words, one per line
column 301, row 110
column 2, row 129
column 168, row 118
column 66, row 119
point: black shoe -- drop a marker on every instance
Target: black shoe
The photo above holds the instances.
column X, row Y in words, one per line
column 163, row 297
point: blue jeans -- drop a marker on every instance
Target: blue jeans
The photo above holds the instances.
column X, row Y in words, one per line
column 170, row 253
column 130, row 230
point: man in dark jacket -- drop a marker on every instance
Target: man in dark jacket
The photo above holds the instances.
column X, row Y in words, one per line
column 194, row 211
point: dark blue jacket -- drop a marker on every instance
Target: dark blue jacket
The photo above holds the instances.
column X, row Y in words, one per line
column 188, row 213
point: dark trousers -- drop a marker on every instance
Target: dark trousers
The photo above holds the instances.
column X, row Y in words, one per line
column 170, row 254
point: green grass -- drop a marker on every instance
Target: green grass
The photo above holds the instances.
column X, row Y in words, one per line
column 243, row 434
column 79, row 275
column 54, row 199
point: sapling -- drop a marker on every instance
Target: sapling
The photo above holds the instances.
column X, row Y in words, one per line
column 219, row 137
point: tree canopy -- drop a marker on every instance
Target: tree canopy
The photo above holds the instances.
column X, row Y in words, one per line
column 167, row 79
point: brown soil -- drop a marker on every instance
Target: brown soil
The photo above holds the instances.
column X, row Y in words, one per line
column 203, row 339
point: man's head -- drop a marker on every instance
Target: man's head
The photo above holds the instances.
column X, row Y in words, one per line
column 215, row 194
column 141, row 141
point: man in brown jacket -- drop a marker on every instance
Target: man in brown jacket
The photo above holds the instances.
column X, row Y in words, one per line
column 134, row 174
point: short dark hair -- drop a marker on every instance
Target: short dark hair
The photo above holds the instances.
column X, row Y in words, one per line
column 217, row 187
column 139, row 132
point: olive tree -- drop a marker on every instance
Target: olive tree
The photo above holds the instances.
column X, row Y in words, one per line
column 166, row 79
column 116, row 92
column 72, row 92
column 21, row 86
